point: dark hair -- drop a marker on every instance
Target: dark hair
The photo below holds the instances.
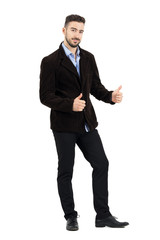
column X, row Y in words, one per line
column 74, row 18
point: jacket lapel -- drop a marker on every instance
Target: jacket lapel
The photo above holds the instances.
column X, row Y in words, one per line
column 69, row 65
column 65, row 61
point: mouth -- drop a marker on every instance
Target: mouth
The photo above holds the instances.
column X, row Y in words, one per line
column 75, row 40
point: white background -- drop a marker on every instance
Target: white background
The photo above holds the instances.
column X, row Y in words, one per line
column 124, row 36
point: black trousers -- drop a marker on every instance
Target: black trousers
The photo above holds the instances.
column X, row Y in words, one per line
column 91, row 146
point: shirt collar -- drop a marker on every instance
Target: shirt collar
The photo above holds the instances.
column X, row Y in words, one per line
column 68, row 52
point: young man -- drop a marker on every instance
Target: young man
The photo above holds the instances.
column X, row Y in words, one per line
column 68, row 77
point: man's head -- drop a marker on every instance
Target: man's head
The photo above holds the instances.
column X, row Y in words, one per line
column 73, row 30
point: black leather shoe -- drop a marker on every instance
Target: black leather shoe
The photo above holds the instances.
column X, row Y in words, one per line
column 72, row 224
column 110, row 222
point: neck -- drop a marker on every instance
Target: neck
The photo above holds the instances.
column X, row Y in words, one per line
column 73, row 50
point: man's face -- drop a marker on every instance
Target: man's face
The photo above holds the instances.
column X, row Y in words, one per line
column 73, row 33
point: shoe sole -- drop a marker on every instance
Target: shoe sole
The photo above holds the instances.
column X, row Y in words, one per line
column 102, row 225
column 72, row 229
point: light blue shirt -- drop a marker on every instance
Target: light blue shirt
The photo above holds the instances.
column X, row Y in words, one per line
column 75, row 62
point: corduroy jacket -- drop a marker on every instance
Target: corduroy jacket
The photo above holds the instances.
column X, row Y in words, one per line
column 60, row 84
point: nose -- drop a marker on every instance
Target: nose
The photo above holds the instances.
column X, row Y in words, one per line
column 77, row 35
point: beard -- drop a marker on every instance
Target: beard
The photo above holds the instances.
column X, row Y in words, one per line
column 70, row 44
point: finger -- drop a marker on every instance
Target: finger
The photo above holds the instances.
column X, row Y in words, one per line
column 80, row 109
column 119, row 97
column 80, row 96
column 119, row 94
column 119, row 88
column 82, row 106
column 82, row 101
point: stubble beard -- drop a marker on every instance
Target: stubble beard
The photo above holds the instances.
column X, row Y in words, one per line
column 70, row 44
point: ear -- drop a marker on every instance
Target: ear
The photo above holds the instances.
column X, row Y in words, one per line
column 64, row 30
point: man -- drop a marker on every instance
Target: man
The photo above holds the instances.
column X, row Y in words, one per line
column 68, row 77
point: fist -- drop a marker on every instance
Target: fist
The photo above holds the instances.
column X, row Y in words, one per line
column 117, row 95
column 78, row 105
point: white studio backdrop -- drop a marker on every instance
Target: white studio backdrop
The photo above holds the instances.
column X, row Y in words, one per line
column 124, row 36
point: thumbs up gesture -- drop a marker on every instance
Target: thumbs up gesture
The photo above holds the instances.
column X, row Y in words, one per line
column 117, row 95
column 78, row 104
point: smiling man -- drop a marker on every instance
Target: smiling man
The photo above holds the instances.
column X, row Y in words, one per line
column 73, row 34
column 68, row 77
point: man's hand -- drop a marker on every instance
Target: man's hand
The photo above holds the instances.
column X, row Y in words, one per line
column 117, row 95
column 78, row 105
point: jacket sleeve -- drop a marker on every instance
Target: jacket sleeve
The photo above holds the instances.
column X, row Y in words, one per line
column 97, row 89
column 47, row 90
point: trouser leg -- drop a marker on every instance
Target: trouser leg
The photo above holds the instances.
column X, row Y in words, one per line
column 65, row 144
column 92, row 148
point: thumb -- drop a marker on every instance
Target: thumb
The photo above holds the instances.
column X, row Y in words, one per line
column 119, row 88
column 80, row 96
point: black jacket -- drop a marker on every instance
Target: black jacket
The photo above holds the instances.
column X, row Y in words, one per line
column 60, row 84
